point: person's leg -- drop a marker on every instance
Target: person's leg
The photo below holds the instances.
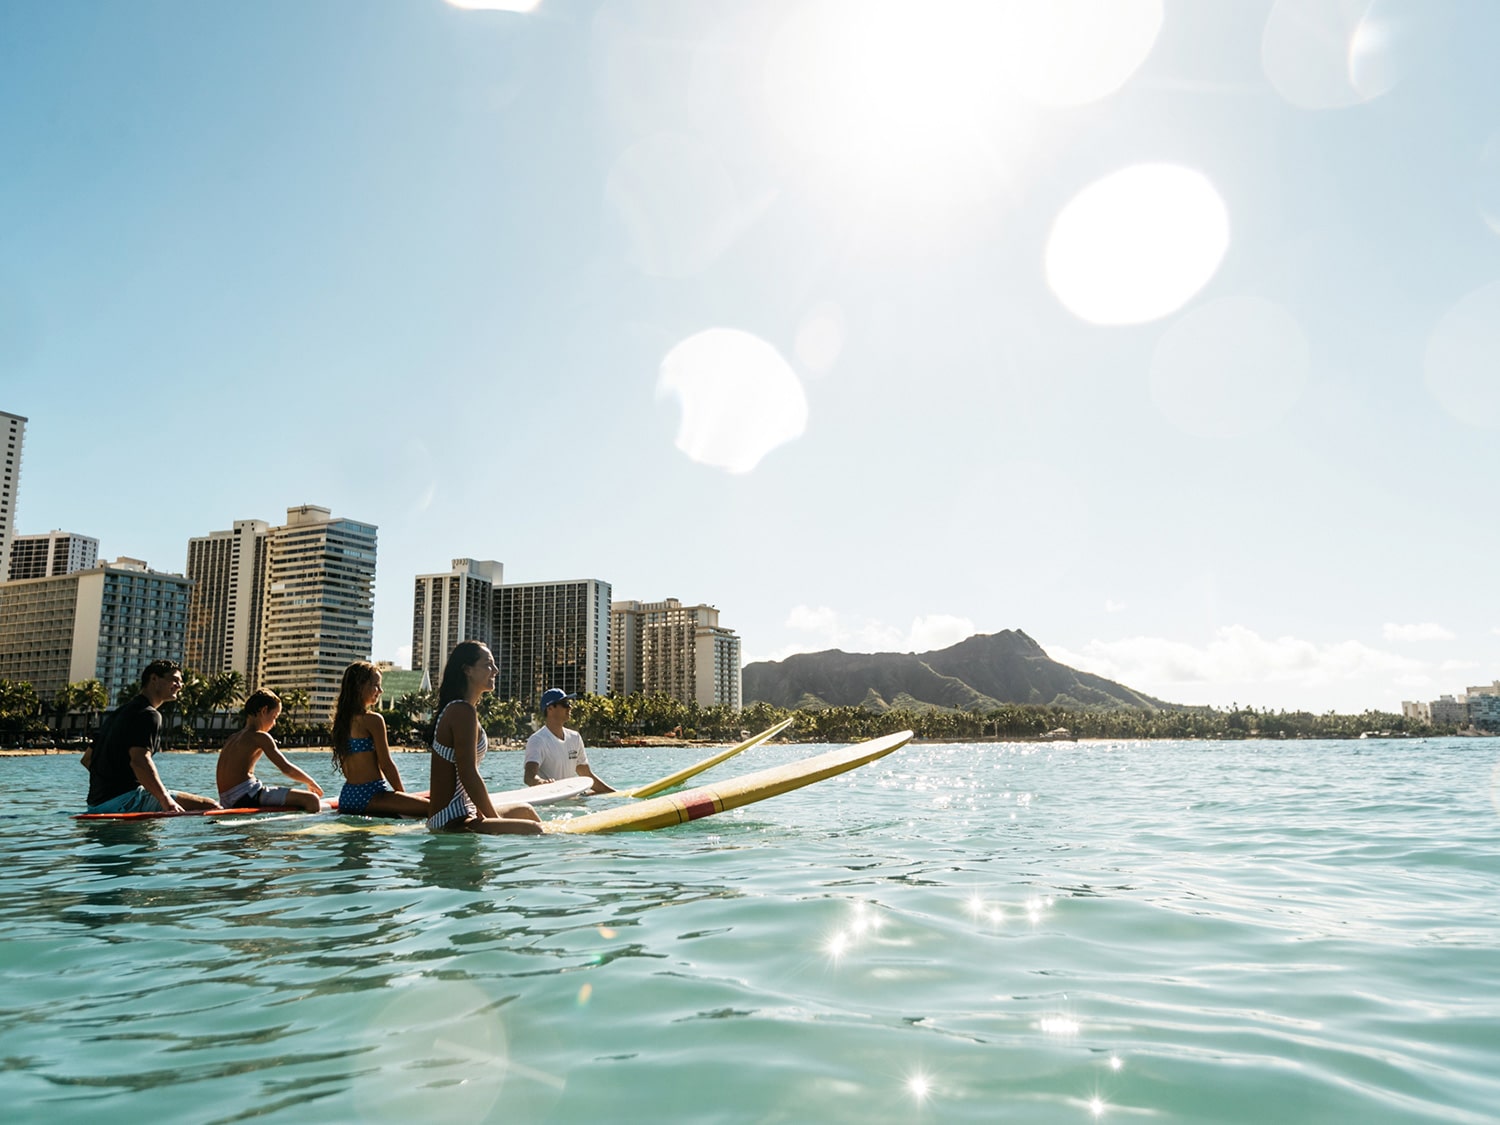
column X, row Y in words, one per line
column 506, row 825
column 518, row 812
column 303, row 799
column 397, row 804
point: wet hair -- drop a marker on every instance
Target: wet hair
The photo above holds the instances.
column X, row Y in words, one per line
column 455, row 683
column 359, row 677
column 260, row 700
column 162, row 668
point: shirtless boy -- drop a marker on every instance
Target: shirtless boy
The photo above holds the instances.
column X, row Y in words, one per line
column 239, row 788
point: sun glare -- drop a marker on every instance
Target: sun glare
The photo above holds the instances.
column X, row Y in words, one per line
column 1071, row 52
column 1137, row 245
column 893, row 98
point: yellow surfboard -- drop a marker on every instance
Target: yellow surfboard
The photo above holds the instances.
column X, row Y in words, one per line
column 696, row 768
column 677, row 808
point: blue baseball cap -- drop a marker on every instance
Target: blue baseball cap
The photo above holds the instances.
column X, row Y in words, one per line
column 554, row 695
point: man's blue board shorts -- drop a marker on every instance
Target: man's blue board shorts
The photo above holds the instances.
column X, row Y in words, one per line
column 137, row 800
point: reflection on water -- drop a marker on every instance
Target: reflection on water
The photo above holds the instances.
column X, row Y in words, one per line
column 1165, row 929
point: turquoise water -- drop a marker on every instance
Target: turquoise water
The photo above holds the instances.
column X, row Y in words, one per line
column 1114, row 932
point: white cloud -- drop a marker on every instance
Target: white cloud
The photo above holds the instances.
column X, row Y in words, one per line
column 1237, row 661
column 826, row 629
column 1112, row 606
column 1427, row 631
column 1458, row 665
column 403, row 657
column 938, row 630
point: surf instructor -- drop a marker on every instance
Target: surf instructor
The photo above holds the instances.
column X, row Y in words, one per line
column 555, row 751
column 122, row 771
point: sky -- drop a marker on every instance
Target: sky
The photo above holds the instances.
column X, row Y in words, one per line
column 1166, row 332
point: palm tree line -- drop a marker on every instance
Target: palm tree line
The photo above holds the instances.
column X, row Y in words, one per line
column 203, row 717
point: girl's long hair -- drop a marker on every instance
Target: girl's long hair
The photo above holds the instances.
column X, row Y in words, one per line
column 455, row 683
column 357, row 680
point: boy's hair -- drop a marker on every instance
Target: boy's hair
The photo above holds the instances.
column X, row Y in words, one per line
column 162, row 668
column 260, row 700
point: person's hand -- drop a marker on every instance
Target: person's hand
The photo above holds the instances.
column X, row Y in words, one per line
column 316, row 788
column 171, row 805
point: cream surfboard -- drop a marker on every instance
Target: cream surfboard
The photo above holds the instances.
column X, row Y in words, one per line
column 677, row 808
column 562, row 790
column 696, row 768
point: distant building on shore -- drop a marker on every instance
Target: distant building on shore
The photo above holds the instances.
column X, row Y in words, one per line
column 228, row 569
column 1478, row 707
column 51, row 555
column 286, row 607
column 552, row 634
column 319, row 613
column 455, row 605
column 678, row 650
column 543, row 634
column 105, row 623
column 12, row 436
column 396, row 682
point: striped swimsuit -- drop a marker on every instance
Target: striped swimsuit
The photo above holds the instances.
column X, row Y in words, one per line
column 461, row 807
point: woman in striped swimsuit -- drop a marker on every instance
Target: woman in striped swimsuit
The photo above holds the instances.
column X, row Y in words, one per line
column 459, row 797
column 372, row 783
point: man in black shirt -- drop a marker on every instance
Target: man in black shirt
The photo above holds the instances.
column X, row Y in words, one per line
column 122, row 772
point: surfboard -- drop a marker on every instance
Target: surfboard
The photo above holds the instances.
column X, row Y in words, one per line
column 694, row 770
column 544, row 794
column 677, row 808
column 526, row 795
column 184, row 812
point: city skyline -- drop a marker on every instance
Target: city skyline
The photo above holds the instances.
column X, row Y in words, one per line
column 1166, row 336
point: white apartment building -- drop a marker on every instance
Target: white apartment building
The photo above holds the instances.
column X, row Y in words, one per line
column 12, row 435
column 319, row 609
column 105, row 623
column 228, row 569
column 678, row 650
column 51, row 555
column 552, row 634
column 456, row 605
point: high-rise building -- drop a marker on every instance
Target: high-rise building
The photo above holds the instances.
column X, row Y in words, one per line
column 51, row 555
column 552, row 634
column 457, row 605
column 12, row 434
column 105, row 623
column 678, row 650
column 318, row 615
column 228, row 569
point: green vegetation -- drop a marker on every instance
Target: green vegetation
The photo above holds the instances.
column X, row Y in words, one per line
column 26, row 720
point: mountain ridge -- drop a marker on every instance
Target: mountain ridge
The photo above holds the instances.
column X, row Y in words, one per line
column 981, row 672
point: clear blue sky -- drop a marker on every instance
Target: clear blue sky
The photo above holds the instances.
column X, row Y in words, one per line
column 1170, row 335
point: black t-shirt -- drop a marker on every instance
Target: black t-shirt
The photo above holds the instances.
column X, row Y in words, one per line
column 136, row 724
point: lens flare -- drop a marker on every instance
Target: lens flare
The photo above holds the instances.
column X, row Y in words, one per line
column 1137, row 245
column 739, row 398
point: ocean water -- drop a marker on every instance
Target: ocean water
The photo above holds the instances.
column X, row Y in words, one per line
column 1164, row 932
